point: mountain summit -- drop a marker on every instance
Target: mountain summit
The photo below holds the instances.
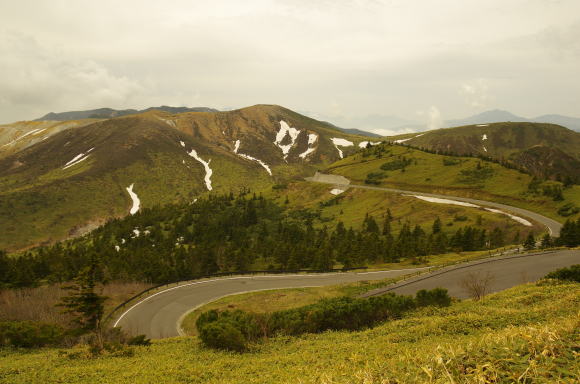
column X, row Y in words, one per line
column 67, row 178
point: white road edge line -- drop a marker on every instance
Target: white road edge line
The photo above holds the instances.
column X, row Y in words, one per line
column 182, row 317
column 228, row 278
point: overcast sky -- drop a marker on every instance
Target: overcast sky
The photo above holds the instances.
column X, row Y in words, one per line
column 344, row 61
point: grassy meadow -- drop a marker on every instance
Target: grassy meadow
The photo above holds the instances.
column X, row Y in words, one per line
column 526, row 334
column 428, row 173
column 352, row 206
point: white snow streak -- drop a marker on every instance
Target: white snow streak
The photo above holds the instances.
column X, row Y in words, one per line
column 312, row 138
column 266, row 167
column 70, row 163
column 485, row 149
column 171, row 123
column 285, row 129
column 336, row 191
column 182, row 143
column 444, row 201
column 248, row 157
column 342, row 143
column 135, row 198
column 117, row 248
column 78, row 158
column 33, row 132
column 482, row 125
column 363, row 144
column 516, row 218
column 307, row 152
column 208, row 170
column 484, row 137
column 410, row 138
column 75, row 159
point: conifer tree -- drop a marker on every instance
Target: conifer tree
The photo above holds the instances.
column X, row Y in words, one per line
column 546, row 241
column 84, row 302
column 437, row 225
column 530, row 242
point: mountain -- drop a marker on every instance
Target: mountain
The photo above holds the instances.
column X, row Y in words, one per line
column 498, row 116
column 379, row 124
column 78, row 177
column 354, row 131
column 493, row 116
column 544, row 150
column 108, row 113
column 565, row 121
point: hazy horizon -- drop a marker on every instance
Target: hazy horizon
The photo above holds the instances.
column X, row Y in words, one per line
column 337, row 61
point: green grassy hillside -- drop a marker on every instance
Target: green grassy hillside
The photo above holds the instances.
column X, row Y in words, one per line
column 352, row 206
column 44, row 200
column 528, row 334
column 413, row 169
column 544, row 150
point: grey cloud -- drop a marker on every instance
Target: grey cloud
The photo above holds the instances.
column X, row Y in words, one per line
column 350, row 61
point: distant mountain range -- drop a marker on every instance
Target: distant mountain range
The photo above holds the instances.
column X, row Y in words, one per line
column 107, row 113
column 499, row 116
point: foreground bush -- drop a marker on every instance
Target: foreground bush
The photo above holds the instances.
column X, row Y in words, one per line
column 235, row 330
column 28, row 334
column 570, row 274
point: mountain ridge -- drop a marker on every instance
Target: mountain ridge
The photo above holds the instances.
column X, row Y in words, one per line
column 107, row 113
column 75, row 176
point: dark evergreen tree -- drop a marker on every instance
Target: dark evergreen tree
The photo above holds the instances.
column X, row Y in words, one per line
column 83, row 301
column 530, row 242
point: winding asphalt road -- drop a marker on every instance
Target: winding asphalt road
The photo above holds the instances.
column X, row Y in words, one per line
column 343, row 183
column 159, row 315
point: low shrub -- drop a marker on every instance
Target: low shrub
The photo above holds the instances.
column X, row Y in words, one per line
column 569, row 274
column 437, row 297
column 568, row 209
column 236, row 330
column 29, row 334
column 223, row 335
column 141, row 340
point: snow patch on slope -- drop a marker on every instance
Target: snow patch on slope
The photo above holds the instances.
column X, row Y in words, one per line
column 285, row 129
column 208, row 170
column 171, row 123
column 248, row 157
column 266, row 167
column 338, row 142
column 33, row 132
column 77, row 159
column 135, row 199
column 410, row 138
column 336, row 191
column 312, row 138
column 444, row 201
column 513, row 217
column 363, row 144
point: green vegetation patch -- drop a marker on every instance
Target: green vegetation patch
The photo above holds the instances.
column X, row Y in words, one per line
column 527, row 332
